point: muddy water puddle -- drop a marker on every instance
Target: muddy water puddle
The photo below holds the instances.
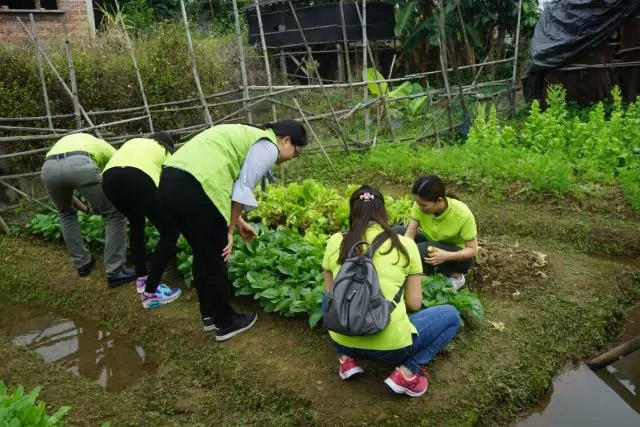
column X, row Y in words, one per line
column 606, row 397
column 82, row 346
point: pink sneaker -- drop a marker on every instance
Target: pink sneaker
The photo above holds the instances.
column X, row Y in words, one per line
column 414, row 386
column 348, row 367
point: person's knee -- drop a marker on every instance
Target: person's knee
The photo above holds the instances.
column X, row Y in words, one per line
column 453, row 316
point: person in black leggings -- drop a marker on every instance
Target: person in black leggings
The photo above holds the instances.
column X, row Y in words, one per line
column 130, row 181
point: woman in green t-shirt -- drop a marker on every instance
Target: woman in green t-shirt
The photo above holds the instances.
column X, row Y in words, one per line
column 448, row 238
column 409, row 340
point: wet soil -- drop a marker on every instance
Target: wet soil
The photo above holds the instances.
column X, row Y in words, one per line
column 283, row 372
column 80, row 345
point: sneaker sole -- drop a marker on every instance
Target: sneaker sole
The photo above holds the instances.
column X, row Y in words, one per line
column 350, row 373
column 155, row 304
column 237, row 331
column 402, row 390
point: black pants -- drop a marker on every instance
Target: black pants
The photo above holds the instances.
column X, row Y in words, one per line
column 447, row 268
column 134, row 193
column 206, row 230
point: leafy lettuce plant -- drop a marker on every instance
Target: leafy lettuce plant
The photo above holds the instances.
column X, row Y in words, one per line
column 20, row 409
column 437, row 290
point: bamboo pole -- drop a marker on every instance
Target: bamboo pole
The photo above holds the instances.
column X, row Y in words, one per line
column 344, row 40
column 616, row 353
column 470, row 56
column 43, row 82
column 72, row 75
column 267, row 66
column 514, row 84
column 4, row 227
column 194, row 66
column 383, row 96
column 365, row 77
column 23, row 194
column 60, row 79
column 324, row 90
column 443, row 63
column 313, row 133
column 135, row 66
column 433, row 118
column 243, row 64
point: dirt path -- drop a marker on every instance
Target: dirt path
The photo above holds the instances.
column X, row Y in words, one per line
column 282, row 372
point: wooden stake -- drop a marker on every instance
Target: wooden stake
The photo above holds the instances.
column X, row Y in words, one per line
column 324, row 90
column 72, row 74
column 135, row 66
column 344, row 40
column 315, row 137
column 382, row 95
column 243, row 65
column 514, row 77
column 4, row 227
column 43, row 82
column 340, row 60
column 194, row 67
column 60, row 79
column 365, row 77
column 443, row 65
column 23, row 194
column 616, row 353
column 266, row 56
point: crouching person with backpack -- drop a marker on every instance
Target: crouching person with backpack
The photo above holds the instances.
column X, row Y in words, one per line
column 373, row 277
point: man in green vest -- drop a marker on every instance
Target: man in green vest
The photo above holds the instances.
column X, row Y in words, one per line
column 205, row 186
column 75, row 163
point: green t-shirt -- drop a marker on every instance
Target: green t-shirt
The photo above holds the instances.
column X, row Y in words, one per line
column 455, row 225
column 393, row 270
column 141, row 153
column 99, row 150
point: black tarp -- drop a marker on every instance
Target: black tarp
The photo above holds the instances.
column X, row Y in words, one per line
column 567, row 28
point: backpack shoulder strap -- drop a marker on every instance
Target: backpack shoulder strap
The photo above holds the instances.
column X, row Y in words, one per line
column 398, row 296
column 376, row 243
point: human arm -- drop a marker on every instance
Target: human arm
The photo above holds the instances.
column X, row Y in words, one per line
column 412, row 229
column 413, row 292
column 328, row 280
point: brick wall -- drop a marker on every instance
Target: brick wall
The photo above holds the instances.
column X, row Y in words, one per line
column 48, row 24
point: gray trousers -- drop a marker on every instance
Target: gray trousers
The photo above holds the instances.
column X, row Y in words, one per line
column 61, row 177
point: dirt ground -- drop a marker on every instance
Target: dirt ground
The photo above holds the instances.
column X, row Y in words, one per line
column 536, row 276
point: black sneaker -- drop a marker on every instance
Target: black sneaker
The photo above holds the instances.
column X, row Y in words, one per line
column 240, row 323
column 86, row 269
column 122, row 276
column 208, row 324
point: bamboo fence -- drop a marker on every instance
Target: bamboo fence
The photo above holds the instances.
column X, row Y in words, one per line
column 243, row 101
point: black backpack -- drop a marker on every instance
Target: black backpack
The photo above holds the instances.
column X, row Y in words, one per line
column 355, row 305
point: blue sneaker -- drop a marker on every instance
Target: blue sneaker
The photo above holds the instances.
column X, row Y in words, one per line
column 164, row 295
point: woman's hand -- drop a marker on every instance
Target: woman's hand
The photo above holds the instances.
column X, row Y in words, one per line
column 226, row 252
column 247, row 232
column 438, row 257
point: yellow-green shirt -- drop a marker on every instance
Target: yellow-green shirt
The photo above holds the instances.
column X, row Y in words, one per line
column 455, row 225
column 99, row 150
column 141, row 153
column 392, row 269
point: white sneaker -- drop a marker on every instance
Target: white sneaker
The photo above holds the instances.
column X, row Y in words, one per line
column 457, row 283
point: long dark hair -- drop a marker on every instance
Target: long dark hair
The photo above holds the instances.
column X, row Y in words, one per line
column 165, row 139
column 290, row 128
column 364, row 209
column 431, row 188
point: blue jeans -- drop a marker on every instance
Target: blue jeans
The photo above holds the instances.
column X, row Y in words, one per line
column 436, row 327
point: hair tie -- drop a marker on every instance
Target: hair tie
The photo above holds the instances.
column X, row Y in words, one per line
column 367, row 197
